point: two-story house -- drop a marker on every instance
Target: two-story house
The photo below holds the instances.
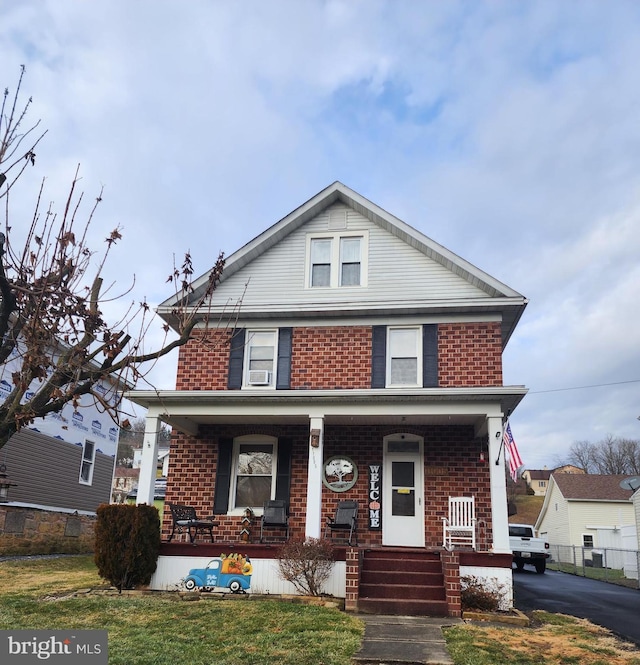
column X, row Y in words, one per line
column 361, row 340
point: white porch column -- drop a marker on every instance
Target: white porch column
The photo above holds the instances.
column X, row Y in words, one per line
column 147, row 478
column 313, row 528
column 499, row 512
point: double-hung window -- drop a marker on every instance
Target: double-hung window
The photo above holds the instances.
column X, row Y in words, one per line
column 88, row 459
column 260, row 358
column 404, row 366
column 321, row 261
column 337, row 260
column 254, row 471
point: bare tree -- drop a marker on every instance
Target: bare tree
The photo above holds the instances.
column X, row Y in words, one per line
column 610, row 456
column 582, row 454
column 132, row 437
column 55, row 343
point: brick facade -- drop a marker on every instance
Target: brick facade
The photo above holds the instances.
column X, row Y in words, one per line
column 469, row 354
column 331, row 358
column 339, row 357
column 452, row 467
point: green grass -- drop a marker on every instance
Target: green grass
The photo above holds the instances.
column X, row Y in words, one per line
column 612, row 575
column 164, row 630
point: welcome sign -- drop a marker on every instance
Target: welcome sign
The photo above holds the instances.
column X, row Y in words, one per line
column 375, row 497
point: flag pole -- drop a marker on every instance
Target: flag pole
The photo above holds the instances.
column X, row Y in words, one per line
column 501, row 444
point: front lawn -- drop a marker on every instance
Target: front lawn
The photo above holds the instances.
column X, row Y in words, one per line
column 164, row 630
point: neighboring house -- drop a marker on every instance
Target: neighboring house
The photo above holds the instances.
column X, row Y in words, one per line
column 125, row 481
column 636, row 508
column 163, row 459
column 64, row 462
column 589, row 511
column 361, row 347
column 538, row 479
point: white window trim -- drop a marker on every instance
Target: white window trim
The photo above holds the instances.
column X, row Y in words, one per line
column 334, row 280
column 237, row 442
column 419, row 352
column 593, row 541
column 92, row 463
column 245, row 363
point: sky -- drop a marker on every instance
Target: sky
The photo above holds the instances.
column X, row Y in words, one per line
column 509, row 132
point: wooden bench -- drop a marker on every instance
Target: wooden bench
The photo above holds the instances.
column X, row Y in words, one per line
column 185, row 520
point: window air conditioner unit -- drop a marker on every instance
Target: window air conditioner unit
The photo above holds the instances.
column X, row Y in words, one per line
column 259, row 377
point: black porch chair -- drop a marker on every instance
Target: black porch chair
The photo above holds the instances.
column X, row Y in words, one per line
column 275, row 516
column 185, row 520
column 346, row 520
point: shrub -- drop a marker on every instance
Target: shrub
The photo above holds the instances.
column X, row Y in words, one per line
column 127, row 544
column 306, row 564
column 482, row 594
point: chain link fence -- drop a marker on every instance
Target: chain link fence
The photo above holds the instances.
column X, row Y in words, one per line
column 607, row 564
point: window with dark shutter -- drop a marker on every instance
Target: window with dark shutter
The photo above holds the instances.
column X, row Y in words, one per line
column 378, row 356
column 284, row 359
column 236, row 358
column 430, row 355
column 283, row 475
column 223, row 477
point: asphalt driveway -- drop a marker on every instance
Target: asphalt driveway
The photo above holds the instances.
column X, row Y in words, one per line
column 614, row 607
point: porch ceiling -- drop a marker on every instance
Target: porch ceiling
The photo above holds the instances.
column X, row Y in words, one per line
column 187, row 410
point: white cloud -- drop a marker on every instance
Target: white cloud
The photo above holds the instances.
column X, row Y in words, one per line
column 506, row 131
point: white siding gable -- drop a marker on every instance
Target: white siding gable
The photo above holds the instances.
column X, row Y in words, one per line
column 554, row 525
column 397, row 272
column 636, row 505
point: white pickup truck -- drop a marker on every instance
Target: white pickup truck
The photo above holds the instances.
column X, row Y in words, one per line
column 528, row 549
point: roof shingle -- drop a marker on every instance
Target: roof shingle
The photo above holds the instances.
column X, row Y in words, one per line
column 594, row 487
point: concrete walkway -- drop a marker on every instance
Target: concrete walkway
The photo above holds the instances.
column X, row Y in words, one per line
column 404, row 640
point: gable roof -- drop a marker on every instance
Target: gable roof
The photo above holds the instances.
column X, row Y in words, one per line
column 511, row 303
column 591, row 487
column 539, row 474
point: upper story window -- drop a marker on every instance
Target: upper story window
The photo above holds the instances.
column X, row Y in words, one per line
column 88, row 459
column 260, row 358
column 336, row 260
column 404, row 366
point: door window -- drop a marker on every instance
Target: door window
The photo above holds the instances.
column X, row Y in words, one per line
column 403, row 489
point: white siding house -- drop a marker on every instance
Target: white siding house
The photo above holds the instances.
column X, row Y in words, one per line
column 585, row 511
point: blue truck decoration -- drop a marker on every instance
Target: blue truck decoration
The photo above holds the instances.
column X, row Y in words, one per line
column 228, row 571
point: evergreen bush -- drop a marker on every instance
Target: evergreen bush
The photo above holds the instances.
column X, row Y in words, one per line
column 127, row 544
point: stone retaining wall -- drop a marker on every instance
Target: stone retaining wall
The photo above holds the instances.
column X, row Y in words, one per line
column 34, row 531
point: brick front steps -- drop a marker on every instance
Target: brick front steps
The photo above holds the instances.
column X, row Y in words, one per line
column 402, row 582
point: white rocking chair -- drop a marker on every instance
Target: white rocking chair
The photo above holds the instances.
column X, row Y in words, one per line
column 459, row 529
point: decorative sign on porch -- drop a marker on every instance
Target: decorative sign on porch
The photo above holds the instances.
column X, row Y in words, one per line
column 339, row 473
column 375, row 497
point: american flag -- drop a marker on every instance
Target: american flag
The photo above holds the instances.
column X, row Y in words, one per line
column 515, row 461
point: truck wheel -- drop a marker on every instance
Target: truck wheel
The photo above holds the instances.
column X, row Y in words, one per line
column 519, row 565
column 541, row 566
column 235, row 586
column 189, row 584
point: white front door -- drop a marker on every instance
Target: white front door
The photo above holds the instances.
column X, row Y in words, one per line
column 403, row 491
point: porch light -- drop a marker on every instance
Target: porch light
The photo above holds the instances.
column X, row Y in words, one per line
column 315, row 438
column 4, row 484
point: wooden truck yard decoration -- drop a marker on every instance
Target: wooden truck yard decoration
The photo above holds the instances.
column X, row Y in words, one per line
column 228, row 571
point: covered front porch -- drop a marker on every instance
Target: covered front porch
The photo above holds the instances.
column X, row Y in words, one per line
column 410, row 450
